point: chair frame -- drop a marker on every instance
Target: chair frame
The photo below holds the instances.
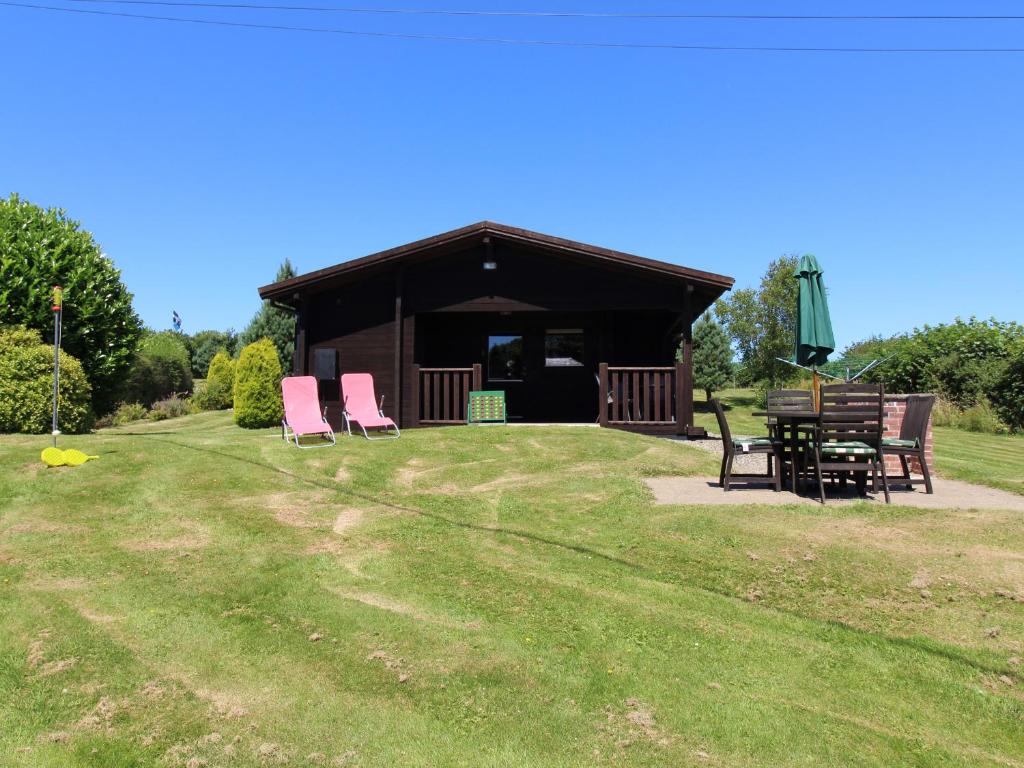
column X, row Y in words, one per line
column 348, row 419
column 773, row 451
column 289, row 435
column 914, row 427
column 852, row 412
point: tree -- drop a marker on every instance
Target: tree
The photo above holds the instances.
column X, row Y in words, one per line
column 206, row 344
column 712, row 356
column 275, row 324
column 258, row 386
column 762, row 322
column 160, row 369
column 42, row 248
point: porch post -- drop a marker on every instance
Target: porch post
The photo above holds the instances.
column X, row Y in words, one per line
column 414, row 418
column 478, row 376
column 299, row 354
column 684, row 370
column 602, row 394
column 399, row 289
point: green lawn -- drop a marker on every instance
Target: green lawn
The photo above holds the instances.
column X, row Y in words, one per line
column 206, row 596
column 995, row 460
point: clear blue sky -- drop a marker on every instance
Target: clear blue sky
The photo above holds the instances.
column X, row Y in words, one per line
column 201, row 156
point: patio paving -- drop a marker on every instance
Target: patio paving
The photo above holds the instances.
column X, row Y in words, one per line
column 949, row 494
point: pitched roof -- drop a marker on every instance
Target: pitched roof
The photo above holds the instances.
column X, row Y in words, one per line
column 555, row 245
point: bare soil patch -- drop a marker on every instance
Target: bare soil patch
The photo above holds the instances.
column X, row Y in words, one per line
column 196, row 536
column 347, row 518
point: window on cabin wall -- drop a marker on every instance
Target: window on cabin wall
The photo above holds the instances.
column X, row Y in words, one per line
column 505, row 358
column 563, row 348
column 325, row 364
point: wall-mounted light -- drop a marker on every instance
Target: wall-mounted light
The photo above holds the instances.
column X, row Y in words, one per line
column 490, row 266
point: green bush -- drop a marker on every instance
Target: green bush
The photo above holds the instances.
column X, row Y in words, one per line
column 218, row 391
column 40, row 248
column 160, row 369
column 257, row 391
column 944, row 413
column 170, row 408
column 981, row 417
column 1008, row 393
column 26, row 386
column 125, row 413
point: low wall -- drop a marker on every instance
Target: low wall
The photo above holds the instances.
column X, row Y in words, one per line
column 895, row 408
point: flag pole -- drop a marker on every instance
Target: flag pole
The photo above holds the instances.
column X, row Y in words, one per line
column 57, row 318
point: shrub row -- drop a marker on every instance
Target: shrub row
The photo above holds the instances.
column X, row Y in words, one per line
column 26, row 386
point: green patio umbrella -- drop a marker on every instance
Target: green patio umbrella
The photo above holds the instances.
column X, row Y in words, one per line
column 814, row 339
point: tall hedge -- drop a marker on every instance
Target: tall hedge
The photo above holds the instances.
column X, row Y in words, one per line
column 1008, row 394
column 220, row 384
column 43, row 247
column 160, row 369
column 26, row 386
column 963, row 361
column 258, row 386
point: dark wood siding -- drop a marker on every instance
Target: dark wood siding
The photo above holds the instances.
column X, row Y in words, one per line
column 358, row 321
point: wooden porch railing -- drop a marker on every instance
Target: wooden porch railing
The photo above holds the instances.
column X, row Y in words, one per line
column 440, row 395
column 649, row 398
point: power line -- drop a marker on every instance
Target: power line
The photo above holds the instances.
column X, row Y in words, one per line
column 564, row 14
column 508, row 41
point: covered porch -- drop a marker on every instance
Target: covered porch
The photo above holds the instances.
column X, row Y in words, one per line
column 617, row 369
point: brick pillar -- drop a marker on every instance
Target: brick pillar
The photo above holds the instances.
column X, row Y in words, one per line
column 895, row 408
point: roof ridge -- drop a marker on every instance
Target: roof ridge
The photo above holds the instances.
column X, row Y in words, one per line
column 278, row 289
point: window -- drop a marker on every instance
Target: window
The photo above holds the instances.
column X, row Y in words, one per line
column 563, row 348
column 505, row 358
column 325, row 364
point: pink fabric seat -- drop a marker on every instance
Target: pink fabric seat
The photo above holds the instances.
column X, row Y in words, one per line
column 302, row 414
column 361, row 405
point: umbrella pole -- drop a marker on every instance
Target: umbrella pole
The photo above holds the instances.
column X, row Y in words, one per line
column 817, row 390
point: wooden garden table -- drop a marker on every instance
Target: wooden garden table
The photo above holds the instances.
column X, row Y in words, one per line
column 794, row 420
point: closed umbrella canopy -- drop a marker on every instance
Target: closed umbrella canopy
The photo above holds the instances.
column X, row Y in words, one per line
column 814, row 340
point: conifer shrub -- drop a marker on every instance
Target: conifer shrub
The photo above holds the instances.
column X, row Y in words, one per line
column 257, row 391
column 218, row 391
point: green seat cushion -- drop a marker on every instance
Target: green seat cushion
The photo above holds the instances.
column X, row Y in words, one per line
column 895, row 442
column 746, row 443
column 852, row 448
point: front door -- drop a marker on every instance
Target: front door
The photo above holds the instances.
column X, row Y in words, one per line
column 505, row 369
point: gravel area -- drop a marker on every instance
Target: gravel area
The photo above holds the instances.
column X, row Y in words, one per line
column 743, row 464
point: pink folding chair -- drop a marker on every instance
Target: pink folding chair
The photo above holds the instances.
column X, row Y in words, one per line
column 302, row 414
column 362, row 408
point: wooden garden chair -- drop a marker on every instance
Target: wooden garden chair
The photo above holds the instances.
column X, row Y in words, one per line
column 911, row 442
column 769, row 446
column 848, row 437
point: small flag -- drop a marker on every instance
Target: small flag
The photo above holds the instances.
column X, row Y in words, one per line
column 176, row 320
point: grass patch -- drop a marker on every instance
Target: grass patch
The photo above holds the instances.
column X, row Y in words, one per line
column 487, row 597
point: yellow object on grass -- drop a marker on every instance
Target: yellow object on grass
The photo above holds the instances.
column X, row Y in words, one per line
column 72, row 457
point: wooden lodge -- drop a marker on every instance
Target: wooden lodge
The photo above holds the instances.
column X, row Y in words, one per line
column 570, row 332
